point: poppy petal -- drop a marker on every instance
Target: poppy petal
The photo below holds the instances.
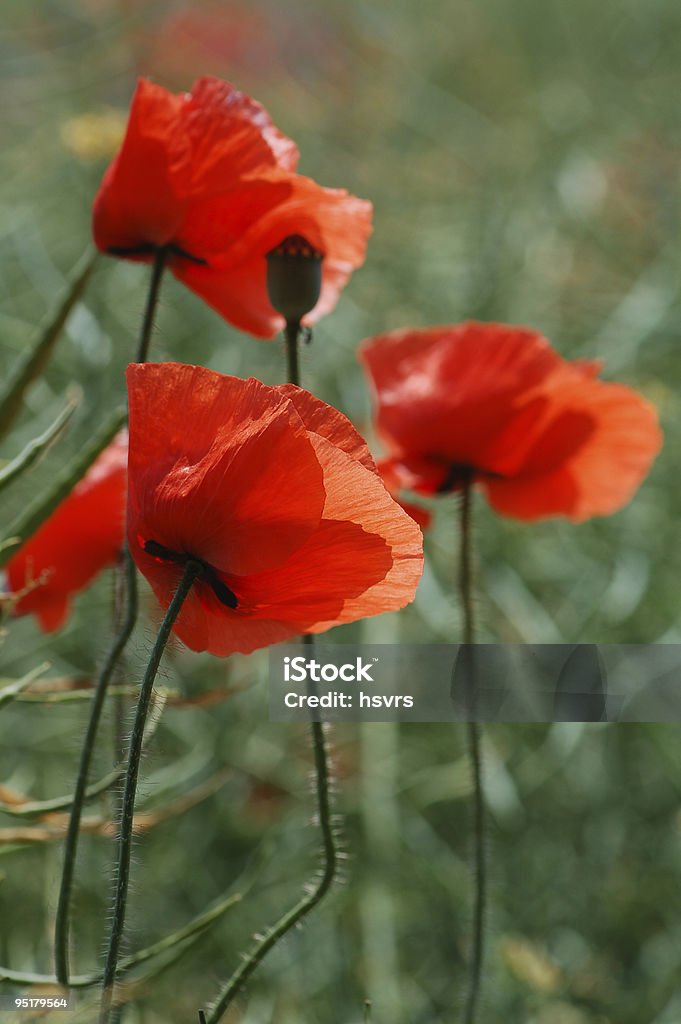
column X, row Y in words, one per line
column 359, row 496
column 590, row 460
column 235, row 281
column 328, row 422
column 220, row 468
column 213, row 223
column 82, row 536
column 232, row 136
column 143, row 196
column 446, row 391
column 540, row 435
column 283, row 508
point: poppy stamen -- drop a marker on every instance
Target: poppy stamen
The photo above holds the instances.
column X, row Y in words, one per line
column 208, row 574
column 156, row 550
column 150, row 249
column 221, row 590
column 456, row 476
column 177, row 250
column 142, row 249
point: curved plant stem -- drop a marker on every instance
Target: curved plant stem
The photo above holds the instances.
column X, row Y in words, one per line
column 122, row 878
column 61, row 932
column 473, row 733
column 322, row 885
column 322, row 777
column 160, row 260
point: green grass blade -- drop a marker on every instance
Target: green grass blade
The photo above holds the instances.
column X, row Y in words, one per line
column 34, row 361
column 40, row 510
column 9, row 692
column 37, row 447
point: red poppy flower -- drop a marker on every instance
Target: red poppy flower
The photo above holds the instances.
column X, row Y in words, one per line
column 81, row 537
column 496, row 404
column 208, row 177
column 277, row 497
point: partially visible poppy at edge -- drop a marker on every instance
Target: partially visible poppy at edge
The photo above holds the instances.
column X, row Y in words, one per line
column 207, row 177
column 274, row 494
column 496, row 405
column 82, row 536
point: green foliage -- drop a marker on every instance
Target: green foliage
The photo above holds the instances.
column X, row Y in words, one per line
column 523, row 162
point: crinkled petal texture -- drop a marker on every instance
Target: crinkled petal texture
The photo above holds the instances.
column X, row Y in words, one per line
column 208, row 175
column 275, row 494
column 179, row 151
column 542, row 436
column 82, row 536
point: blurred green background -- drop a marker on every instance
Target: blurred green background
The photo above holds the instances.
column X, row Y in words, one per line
column 523, row 161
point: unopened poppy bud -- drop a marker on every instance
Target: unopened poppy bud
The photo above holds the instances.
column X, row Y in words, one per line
column 294, row 277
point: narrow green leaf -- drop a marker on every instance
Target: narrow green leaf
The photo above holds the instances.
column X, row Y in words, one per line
column 34, row 361
column 37, row 447
column 177, row 941
column 194, row 928
column 37, row 808
column 73, row 696
column 9, row 692
column 40, row 509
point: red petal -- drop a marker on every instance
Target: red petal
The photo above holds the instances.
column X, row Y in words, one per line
column 599, row 445
column 232, row 136
column 219, row 467
column 328, row 422
column 235, row 283
column 449, row 391
column 142, row 198
column 362, row 558
column 215, row 223
column 420, row 515
column 542, row 435
column 179, row 151
column 358, row 495
column 82, row 536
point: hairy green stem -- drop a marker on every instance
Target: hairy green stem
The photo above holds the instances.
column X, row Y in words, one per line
column 292, row 338
column 303, row 907
column 61, row 932
column 122, row 877
column 473, row 734
column 159, row 265
column 323, row 793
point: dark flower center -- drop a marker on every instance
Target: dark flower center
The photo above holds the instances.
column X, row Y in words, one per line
column 458, row 474
column 208, row 574
column 151, row 249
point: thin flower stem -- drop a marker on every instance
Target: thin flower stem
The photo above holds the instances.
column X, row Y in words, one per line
column 292, row 338
column 322, row 776
column 122, row 878
column 473, row 734
column 160, row 260
column 322, row 885
column 61, row 933
column 466, row 562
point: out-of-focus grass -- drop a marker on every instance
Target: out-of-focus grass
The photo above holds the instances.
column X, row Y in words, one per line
column 523, row 163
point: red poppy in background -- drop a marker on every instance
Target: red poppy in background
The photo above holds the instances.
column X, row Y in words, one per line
column 208, row 178
column 393, row 481
column 82, row 536
column 496, row 404
column 275, row 494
